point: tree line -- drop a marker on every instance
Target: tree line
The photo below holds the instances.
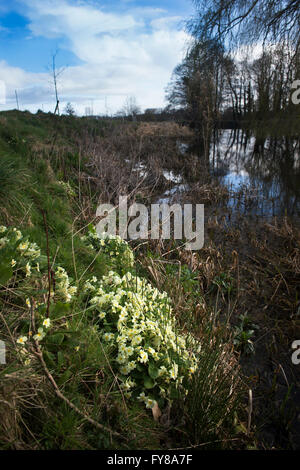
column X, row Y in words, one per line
column 243, row 57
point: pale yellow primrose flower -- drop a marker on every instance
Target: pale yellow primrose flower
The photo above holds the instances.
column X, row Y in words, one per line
column 143, row 356
column 174, row 372
column 40, row 335
column 142, row 397
column 22, row 340
column 150, row 403
column 28, row 270
column 108, row 336
column 23, row 246
column 18, row 234
column 46, row 322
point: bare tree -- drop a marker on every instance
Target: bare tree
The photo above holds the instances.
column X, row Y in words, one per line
column 130, row 107
column 69, row 110
column 198, row 83
column 247, row 21
column 55, row 74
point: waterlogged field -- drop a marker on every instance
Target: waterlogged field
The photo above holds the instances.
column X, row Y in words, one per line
column 142, row 344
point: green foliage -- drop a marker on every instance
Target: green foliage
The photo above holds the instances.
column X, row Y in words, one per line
column 243, row 335
column 224, row 282
column 117, row 251
column 187, row 278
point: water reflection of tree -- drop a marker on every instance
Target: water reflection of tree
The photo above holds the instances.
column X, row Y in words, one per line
column 272, row 166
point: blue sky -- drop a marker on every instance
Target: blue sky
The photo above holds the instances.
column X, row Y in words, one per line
column 109, row 50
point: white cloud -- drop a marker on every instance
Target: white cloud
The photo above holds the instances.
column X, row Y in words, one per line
column 33, row 88
column 166, row 22
column 53, row 18
column 15, row 77
column 121, row 54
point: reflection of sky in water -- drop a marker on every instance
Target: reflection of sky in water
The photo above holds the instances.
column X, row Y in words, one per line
column 170, row 176
column 234, row 181
column 263, row 180
column 168, row 195
column 264, row 183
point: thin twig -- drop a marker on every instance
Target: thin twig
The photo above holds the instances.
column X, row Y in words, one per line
column 250, row 409
column 39, row 355
column 49, row 268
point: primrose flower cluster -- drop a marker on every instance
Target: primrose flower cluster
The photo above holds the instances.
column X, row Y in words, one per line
column 137, row 323
column 67, row 187
column 112, row 245
column 39, row 336
column 17, row 252
column 62, row 287
column 22, row 259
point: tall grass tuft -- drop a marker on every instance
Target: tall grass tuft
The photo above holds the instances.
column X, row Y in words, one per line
column 215, row 392
column 13, row 177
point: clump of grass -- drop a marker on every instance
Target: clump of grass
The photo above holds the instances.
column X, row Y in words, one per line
column 213, row 404
column 13, row 177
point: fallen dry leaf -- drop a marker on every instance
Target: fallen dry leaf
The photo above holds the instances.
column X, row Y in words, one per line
column 156, row 412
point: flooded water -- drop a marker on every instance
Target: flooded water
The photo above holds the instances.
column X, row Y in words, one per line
column 261, row 176
column 265, row 175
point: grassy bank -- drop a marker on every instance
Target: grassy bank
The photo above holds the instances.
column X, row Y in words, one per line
column 65, row 383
